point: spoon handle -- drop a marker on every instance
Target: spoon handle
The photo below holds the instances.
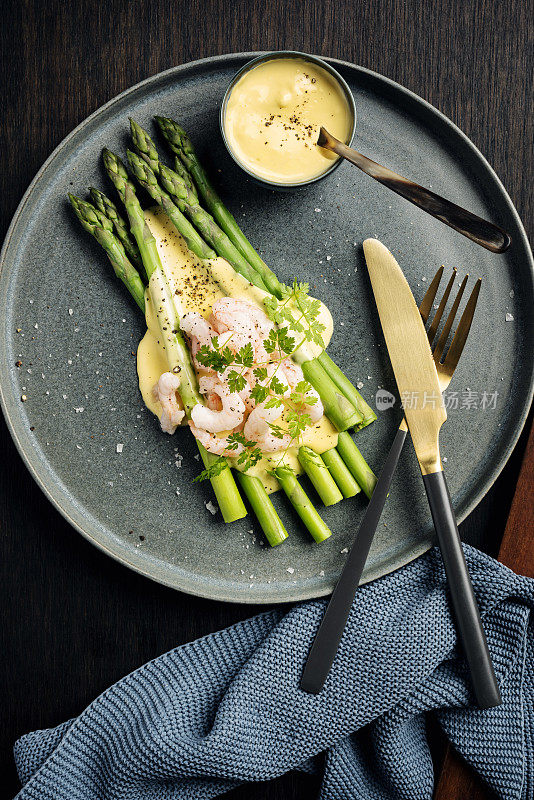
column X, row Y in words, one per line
column 475, row 228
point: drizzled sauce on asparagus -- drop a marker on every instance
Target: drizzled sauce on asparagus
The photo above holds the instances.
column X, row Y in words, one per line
column 197, row 285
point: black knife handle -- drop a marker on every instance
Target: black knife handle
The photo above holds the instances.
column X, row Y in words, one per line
column 324, row 647
column 469, row 624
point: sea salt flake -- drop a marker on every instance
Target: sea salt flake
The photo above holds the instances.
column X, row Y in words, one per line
column 345, row 550
column 212, row 508
column 79, row 410
column 119, row 447
column 321, row 574
column 290, row 570
column 509, row 317
column 318, row 210
column 71, row 312
column 177, row 491
column 329, row 258
column 360, row 384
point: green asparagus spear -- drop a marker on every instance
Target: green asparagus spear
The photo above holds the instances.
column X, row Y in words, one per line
column 223, row 484
column 271, row 524
column 107, row 207
column 356, row 463
column 340, row 473
column 101, row 228
column 301, row 503
column 336, row 406
column 146, row 148
column 350, row 391
column 175, row 188
column 148, row 181
column 317, row 471
column 182, row 146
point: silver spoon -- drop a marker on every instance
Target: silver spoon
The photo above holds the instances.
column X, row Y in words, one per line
column 478, row 230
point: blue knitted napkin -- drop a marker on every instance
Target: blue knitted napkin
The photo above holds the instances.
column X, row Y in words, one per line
column 225, row 709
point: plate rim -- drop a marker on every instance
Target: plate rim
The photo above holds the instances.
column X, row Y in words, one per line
column 201, row 587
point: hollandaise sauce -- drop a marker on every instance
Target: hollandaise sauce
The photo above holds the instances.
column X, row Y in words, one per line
column 273, row 116
column 197, row 284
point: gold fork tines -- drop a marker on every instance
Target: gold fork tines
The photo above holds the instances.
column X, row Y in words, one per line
column 426, row 303
column 462, row 332
column 442, row 341
column 446, row 369
column 441, row 308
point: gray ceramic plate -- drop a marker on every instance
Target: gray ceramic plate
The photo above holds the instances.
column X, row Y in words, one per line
column 74, row 329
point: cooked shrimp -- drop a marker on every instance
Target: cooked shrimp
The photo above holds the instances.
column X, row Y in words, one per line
column 201, row 333
column 206, row 386
column 257, row 428
column 294, row 375
column 248, row 322
column 196, row 326
column 229, row 417
column 165, row 391
column 215, row 444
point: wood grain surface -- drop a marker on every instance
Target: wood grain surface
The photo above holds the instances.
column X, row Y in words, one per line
column 74, row 621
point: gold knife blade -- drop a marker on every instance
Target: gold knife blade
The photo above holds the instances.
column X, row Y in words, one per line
column 410, row 354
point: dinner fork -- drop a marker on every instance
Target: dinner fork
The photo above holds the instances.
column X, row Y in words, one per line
column 324, row 647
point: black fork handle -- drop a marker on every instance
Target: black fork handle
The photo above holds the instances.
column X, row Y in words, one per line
column 469, row 624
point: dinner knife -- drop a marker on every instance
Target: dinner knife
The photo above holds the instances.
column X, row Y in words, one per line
column 418, row 384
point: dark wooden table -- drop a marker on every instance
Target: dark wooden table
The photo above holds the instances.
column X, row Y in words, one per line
column 74, row 621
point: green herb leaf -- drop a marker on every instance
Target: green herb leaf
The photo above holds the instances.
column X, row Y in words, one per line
column 259, row 393
column 273, row 402
column 212, row 471
column 245, row 355
column 236, row 381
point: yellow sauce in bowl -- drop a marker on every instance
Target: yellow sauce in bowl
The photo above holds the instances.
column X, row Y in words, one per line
column 273, row 115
